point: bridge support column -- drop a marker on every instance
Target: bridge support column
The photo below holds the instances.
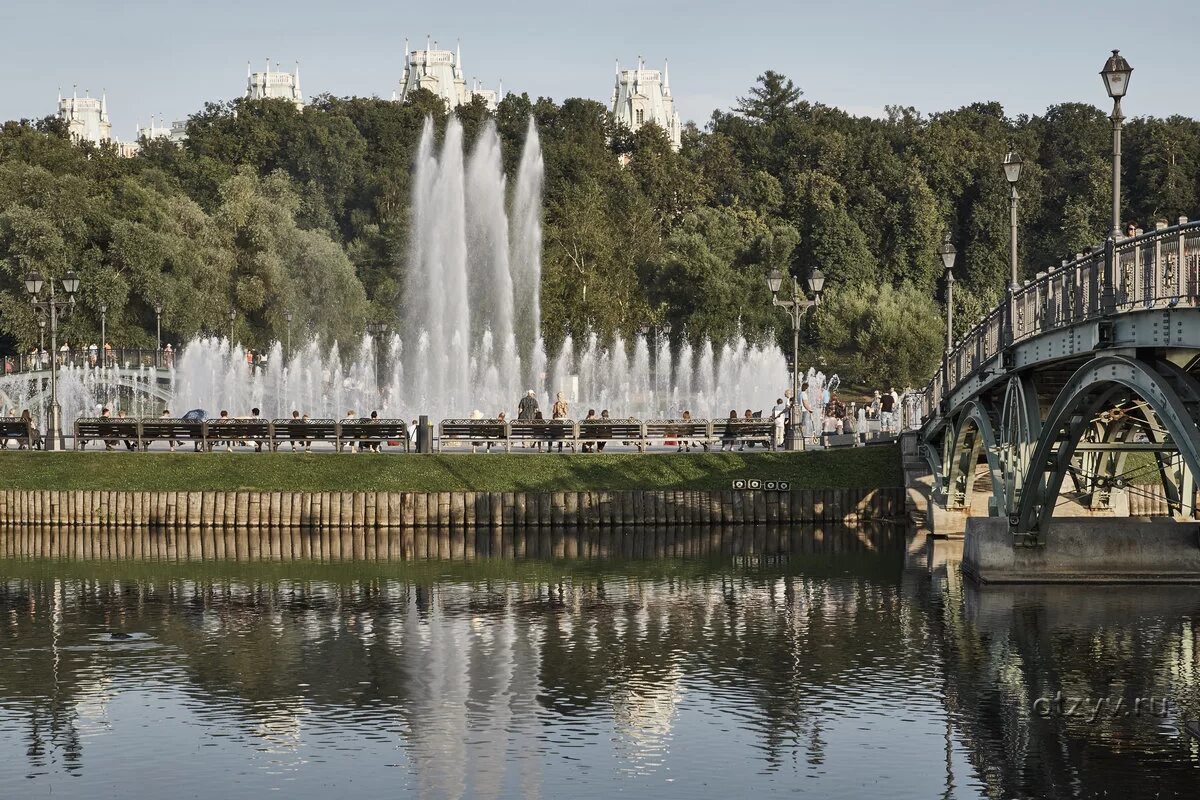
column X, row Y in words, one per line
column 1092, row 550
column 946, row 523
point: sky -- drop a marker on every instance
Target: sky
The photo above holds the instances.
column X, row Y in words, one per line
column 168, row 57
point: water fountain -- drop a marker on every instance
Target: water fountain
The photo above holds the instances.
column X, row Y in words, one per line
column 469, row 339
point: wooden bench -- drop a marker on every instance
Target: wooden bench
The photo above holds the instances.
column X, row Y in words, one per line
column 745, row 431
column 678, row 430
column 301, row 432
column 473, row 432
column 237, row 430
column 19, row 429
column 373, row 432
column 160, row 429
column 550, row 431
column 106, row 429
column 612, row 430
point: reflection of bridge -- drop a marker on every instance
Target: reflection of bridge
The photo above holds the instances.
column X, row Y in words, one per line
column 1053, row 391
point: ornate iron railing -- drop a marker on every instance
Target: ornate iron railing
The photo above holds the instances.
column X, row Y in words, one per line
column 1155, row 269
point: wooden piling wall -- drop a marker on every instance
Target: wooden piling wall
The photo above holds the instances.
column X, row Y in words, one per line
column 489, row 510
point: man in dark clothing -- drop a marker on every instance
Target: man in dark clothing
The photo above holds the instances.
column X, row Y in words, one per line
column 887, row 408
column 528, row 406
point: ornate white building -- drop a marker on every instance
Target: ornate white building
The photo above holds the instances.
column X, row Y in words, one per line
column 283, row 85
column 86, row 117
column 176, row 131
column 441, row 72
column 644, row 95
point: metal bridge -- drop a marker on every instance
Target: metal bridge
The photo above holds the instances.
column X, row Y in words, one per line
column 1039, row 406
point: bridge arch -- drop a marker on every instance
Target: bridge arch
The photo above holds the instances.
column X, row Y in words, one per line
column 1098, row 384
column 971, row 436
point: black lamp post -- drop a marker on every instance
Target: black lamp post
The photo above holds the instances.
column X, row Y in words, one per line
column 948, row 253
column 287, row 315
column 103, row 334
column 232, row 318
column 51, row 306
column 1012, row 172
column 658, row 330
column 1116, row 74
column 796, row 308
column 377, row 330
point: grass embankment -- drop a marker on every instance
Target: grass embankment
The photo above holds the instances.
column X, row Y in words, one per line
column 864, row 467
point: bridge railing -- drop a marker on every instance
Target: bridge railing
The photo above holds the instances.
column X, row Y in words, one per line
column 1155, row 269
column 86, row 358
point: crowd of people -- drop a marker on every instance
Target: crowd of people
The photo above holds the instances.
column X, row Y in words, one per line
column 91, row 355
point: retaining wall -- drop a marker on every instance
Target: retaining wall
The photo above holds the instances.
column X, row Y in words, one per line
column 379, row 510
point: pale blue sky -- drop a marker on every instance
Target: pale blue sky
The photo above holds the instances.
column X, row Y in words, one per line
column 168, row 56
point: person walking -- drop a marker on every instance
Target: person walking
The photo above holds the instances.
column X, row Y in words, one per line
column 806, row 414
column 779, row 416
column 558, row 411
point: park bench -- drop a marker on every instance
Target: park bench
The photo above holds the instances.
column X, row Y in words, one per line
column 16, row 428
column 611, row 430
column 678, row 430
column 745, row 431
column 160, row 429
column 473, row 432
column 835, row 440
column 237, row 430
column 551, row 431
column 301, row 432
column 104, row 429
column 373, row 431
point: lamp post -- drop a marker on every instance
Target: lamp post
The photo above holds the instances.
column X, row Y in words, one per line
column 41, row 338
column 158, row 333
column 377, row 330
column 658, row 330
column 796, row 308
column 1012, row 171
column 1116, row 74
column 103, row 334
column 232, row 318
column 50, row 306
column 947, row 252
column 287, row 315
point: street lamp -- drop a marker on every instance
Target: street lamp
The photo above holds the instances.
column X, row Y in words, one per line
column 1012, row 171
column 232, row 319
column 103, row 334
column 948, row 253
column 796, row 307
column 377, row 330
column 51, row 306
column 287, row 315
column 664, row 329
column 1116, row 74
column 158, row 331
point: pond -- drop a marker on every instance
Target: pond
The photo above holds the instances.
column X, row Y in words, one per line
column 818, row 662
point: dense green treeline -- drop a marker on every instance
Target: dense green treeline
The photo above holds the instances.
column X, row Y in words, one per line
column 266, row 208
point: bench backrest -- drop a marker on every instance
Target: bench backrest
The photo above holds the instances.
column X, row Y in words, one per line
column 98, row 427
column 238, row 429
column 473, row 429
column 14, row 428
column 170, row 428
column 608, row 429
column 677, row 429
column 299, row 430
column 744, row 428
column 535, row 429
column 374, row 429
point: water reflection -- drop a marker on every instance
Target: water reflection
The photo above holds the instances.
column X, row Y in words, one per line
column 861, row 667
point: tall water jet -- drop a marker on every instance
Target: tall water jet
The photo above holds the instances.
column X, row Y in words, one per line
column 526, row 260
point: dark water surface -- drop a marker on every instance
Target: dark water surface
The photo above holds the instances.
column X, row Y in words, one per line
column 847, row 664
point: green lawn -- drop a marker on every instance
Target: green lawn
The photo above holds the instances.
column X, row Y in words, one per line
column 864, row 467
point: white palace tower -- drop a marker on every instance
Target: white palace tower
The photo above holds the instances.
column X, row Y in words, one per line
column 86, row 117
column 644, row 95
column 441, row 72
column 282, row 85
